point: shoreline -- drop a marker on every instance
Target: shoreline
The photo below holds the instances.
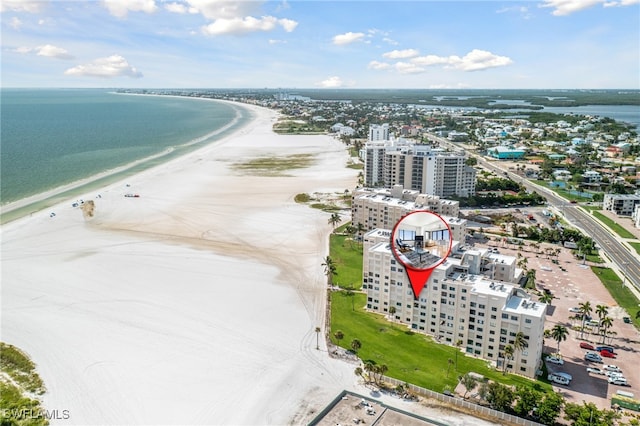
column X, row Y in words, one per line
column 50, row 198
column 210, row 282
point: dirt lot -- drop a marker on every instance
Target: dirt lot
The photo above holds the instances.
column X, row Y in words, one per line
column 572, row 286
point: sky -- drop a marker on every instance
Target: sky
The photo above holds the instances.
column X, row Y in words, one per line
column 361, row 44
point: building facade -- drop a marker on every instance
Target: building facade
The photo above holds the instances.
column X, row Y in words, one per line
column 620, row 204
column 458, row 306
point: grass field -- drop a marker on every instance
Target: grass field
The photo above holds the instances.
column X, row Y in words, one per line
column 410, row 357
column 612, row 225
column 562, row 192
column 636, row 246
column 622, row 295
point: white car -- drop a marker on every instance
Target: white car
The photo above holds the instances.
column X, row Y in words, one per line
column 618, row 381
column 574, row 310
column 563, row 374
column 554, row 360
column 611, row 367
column 592, row 356
column 595, row 371
column 558, row 379
column 613, row 374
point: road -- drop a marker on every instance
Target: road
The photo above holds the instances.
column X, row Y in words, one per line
column 609, row 243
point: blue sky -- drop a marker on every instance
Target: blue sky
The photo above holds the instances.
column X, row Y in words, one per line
column 554, row 44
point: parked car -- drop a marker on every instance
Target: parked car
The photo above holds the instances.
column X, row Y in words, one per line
column 621, row 381
column 595, row 370
column 605, row 348
column 585, row 345
column 627, row 320
column 554, row 359
column 558, row 379
column 593, row 323
column 613, row 374
column 563, row 374
column 593, row 357
column 607, row 354
column 611, row 367
column 574, row 310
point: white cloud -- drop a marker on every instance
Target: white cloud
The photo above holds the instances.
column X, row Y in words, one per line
column 112, row 66
column 390, row 41
column 331, row 82
column 401, row 54
column 567, row 7
column 478, row 60
column 22, row 6
column 408, row 68
column 23, row 50
column 431, row 60
column 15, row 23
column 274, row 41
column 375, row 65
column 473, row 61
column 53, row 52
column 347, row 38
column 120, row 8
column 180, row 8
column 247, row 24
column 225, row 9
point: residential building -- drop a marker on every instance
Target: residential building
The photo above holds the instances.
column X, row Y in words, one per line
column 418, row 167
column 620, row 204
column 383, row 208
column 459, row 304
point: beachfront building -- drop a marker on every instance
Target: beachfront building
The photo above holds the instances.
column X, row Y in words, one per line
column 459, row 305
column 419, row 167
column 620, row 204
column 383, row 208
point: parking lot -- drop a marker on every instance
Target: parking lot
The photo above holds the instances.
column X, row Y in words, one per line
column 573, row 283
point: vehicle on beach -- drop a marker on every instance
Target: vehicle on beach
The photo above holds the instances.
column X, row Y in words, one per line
column 595, row 370
column 554, row 359
column 585, row 345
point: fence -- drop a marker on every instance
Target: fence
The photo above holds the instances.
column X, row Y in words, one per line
column 459, row 402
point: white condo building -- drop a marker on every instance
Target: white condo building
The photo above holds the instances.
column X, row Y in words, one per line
column 418, row 167
column 460, row 303
column 383, row 208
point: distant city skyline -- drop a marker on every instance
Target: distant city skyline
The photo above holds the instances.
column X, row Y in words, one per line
column 548, row 44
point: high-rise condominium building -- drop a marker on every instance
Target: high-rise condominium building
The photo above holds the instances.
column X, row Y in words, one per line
column 469, row 301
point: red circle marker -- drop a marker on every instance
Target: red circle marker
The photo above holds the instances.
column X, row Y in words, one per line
column 421, row 241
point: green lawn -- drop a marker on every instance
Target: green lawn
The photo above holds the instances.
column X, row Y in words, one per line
column 410, row 357
column 347, row 256
column 636, row 246
column 612, row 225
column 562, row 192
column 622, row 295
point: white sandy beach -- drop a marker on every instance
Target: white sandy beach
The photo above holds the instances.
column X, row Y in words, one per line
column 195, row 303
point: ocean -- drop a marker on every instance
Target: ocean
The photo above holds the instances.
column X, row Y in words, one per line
column 66, row 141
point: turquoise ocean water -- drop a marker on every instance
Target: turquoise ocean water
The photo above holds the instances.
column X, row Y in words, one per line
column 57, row 137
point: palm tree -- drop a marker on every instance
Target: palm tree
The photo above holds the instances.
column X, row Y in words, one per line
column 602, row 311
column 547, row 298
column 329, row 269
column 339, row 335
column 531, row 278
column 508, row 354
column 392, row 311
column 317, row 337
column 334, row 220
column 606, row 323
column 638, row 315
column 520, row 342
column 559, row 333
column 355, row 345
column 585, row 310
column 449, row 364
